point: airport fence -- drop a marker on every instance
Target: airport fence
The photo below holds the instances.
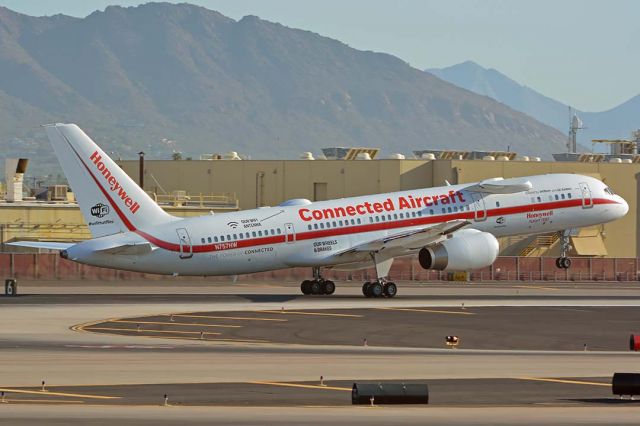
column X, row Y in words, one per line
column 49, row 266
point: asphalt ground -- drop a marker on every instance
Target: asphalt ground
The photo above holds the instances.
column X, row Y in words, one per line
column 489, row 328
column 521, row 348
column 595, row 391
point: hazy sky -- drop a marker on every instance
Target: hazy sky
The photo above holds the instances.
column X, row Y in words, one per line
column 581, row 52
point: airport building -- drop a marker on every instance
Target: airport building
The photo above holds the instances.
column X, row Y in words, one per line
column 226, row 183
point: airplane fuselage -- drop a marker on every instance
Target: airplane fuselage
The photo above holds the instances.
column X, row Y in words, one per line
column 312, row 234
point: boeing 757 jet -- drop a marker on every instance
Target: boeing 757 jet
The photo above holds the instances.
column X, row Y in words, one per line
column 450, row 228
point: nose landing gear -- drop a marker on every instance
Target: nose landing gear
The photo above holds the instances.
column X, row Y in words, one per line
column 563, row 262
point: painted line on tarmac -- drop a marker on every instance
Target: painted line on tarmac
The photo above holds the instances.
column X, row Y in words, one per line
column 571, row 382
column 430, row 311
column 320, row 314
column 133, row 330
column 535, row 287
column 231, row 318
column 177, row 323
column 44, row 401
column 48, row 393
column 298, row 385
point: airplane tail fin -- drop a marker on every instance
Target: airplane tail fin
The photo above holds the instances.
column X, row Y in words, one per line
column 109, row 199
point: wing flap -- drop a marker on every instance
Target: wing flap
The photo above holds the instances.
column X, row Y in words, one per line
column 410, row 240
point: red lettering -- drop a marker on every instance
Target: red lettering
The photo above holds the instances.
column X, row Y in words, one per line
column 302, row 213
column 368, row 206
column 95, row 157
column 317, row 214
column 360, row 209
column 427, row 201
column 377, row 207
column 460, row 197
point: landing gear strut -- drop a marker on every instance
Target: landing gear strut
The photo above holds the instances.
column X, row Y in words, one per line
column 380, row 287
column 563, row 262
column 317, row 286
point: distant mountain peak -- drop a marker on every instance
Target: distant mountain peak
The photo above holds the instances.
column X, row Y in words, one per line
column 136, row 77
column 616, row 122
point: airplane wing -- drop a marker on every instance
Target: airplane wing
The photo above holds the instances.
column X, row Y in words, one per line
column 42, row 245
column 411, row 240
column 501, row 186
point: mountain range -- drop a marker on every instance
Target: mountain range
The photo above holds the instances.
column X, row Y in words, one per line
column 177, row 77
column 616, row 123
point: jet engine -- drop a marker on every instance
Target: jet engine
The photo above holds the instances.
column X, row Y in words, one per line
column 467, row 249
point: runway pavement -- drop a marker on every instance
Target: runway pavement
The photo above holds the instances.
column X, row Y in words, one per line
column 520, row 347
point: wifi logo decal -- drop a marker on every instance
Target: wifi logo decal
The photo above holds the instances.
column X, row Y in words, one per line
column 233, row 225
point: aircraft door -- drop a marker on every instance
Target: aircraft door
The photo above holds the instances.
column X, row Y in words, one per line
column 289, row 233
column 480, row 211
column 587, row 201
column 186, row 249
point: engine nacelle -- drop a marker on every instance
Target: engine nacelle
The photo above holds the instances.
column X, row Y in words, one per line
column 467, row 249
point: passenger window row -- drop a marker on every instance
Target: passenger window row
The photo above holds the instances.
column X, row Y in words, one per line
column 241, row 236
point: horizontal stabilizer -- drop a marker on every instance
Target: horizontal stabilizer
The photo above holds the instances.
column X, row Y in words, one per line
column 130, row 249
column 501, row 186
column 42, row 245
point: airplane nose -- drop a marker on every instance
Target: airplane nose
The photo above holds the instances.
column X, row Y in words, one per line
column 624, row 207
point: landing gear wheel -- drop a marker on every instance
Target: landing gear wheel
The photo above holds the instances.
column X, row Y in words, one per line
column 316, row 288
column 365, row 289
column 376, row 290
column 390, row 289
column 563, row 263
column 328, row 287
column 306, row 287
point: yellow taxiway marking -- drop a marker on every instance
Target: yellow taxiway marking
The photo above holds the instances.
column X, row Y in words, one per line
column 45, row 401
column 178, row 323
column 152, row 331
column 571, row 382
column 322, row 314
column 298, row 385
column 49, row 393
column 231, row 318
column 432, row 311
column 536, row 287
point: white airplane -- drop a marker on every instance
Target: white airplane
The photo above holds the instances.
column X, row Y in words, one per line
column 451, row 228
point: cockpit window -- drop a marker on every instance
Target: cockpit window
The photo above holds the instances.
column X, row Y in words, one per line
column 609, row 191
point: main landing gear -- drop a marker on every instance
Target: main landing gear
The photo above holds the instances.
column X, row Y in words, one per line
column 317, row 286
column 563, row 262
column 380, row 287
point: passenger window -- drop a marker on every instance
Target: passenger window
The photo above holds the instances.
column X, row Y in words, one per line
column 202, row 240
column 430, row 211
column 443, row 211
column 455, row 208
column 315, row 226
column 569, row 195
column 562, row 196
column 353, row 222
column 449, row 209
column 540, row 199
column 377, row 219
column 340, row 223
column 209, row 239
column 321, row 225
column 278, row 231
column 228, row 237
column 556, row 197
column 370, row 219
column 497, row 203
column 359, row 221
column 221, row 237
column 235, row 237
column 254, row 234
